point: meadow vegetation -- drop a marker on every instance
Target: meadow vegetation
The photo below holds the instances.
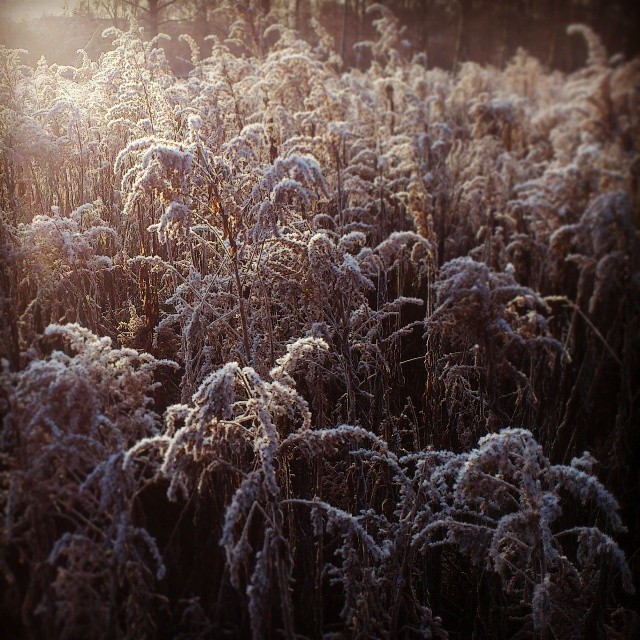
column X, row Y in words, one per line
column 292, row 350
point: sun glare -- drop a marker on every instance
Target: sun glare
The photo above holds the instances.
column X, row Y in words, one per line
column 19, row 10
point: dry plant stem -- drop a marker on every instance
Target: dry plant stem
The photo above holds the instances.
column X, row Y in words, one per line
column 243, row 315
column 590, row 324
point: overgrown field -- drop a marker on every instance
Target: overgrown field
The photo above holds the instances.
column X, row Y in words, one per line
column 292, row 351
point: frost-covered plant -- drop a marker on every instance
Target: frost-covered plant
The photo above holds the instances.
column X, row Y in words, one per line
column 600, row 246
column 132, row 81
column 238, row 426
column 65, row 266
column 67, row 506
column 503, row 508
column 486, row 337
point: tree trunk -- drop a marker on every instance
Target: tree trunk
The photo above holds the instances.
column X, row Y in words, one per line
column 343, row 37
column 153, row 17
column 462, row 37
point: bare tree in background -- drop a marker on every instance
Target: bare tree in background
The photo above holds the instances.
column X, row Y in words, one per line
column 152, row 13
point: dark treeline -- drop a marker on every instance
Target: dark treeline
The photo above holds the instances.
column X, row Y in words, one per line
column 451, row 32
